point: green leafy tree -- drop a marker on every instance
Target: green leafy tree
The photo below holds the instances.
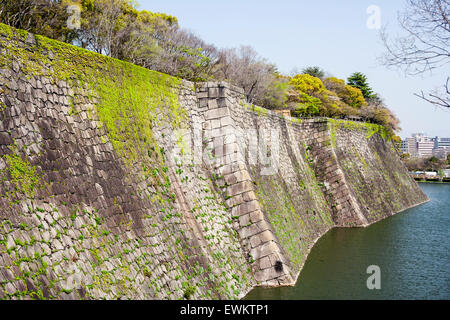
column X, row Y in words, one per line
column 44, row 17
column 434, row 164
column 152, row 40
column 307, row 84
column 276, row 93
column 309, row 106
column 308, row 96
column 359, row 80
column 350, row 95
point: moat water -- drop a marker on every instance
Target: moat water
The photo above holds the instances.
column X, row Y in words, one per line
column 411, row 248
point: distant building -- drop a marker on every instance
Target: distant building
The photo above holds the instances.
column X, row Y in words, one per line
column 447, row 173
column 441, row 147
column 425, row 146
column 404, row 146
column 441, row 142
column 417, row 135
column 409, row 145
column 420, row 145
column 441, row 152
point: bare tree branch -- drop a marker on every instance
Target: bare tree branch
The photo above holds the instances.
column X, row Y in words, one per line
column 425, row 45
column 441, row 99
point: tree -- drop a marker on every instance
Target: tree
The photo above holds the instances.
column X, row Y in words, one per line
column 309, row 96
column 415, row 164
column 308, row 84
column 183, row 54
column 276, row 93
column 152, row 40
column 314, row 71
column 243, row 67
column 434, row 164
column 375, row 99
column 350, row 95
column 107, row 26
column 45, row 17
column 425, row 45
column 359, row 80
column 405, row 156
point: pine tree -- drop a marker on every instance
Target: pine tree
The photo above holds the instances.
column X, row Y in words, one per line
column 359, row 80
column 314, row 71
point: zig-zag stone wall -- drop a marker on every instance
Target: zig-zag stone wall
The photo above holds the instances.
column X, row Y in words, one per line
column 120, row 182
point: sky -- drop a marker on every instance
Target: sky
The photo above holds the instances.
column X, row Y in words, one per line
column 333, row 35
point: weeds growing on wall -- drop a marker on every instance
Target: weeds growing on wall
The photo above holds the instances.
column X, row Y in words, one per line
column 369, row 128
column 21, row 174
column 131, row 99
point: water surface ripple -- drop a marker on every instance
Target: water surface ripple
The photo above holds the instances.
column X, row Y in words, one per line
column 411, row 249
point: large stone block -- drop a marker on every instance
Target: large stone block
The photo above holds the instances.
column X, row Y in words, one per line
column 239, row 188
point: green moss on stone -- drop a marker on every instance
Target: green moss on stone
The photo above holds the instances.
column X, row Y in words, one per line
column 21, row 174
column 259, row 110
column 131, row 99
column 369, row 128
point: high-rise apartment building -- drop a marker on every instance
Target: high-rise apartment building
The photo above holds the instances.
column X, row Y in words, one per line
column 420, row 145
column 425, row 146
column 409, row 145
column 441, row 142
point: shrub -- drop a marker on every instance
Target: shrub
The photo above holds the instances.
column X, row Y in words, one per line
column 309, row 108
column 353, row 97
column 334, row 84
column 350, row 95
column 307, row 84
column 188, row 290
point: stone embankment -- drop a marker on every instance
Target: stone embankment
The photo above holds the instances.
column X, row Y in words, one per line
column 121, row 182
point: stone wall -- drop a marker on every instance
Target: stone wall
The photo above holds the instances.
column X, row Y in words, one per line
column 290, row 180
column 377, row 181
column 120, row 182
column 90, row 212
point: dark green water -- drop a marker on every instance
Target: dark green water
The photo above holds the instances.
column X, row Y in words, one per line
column 411, row 249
